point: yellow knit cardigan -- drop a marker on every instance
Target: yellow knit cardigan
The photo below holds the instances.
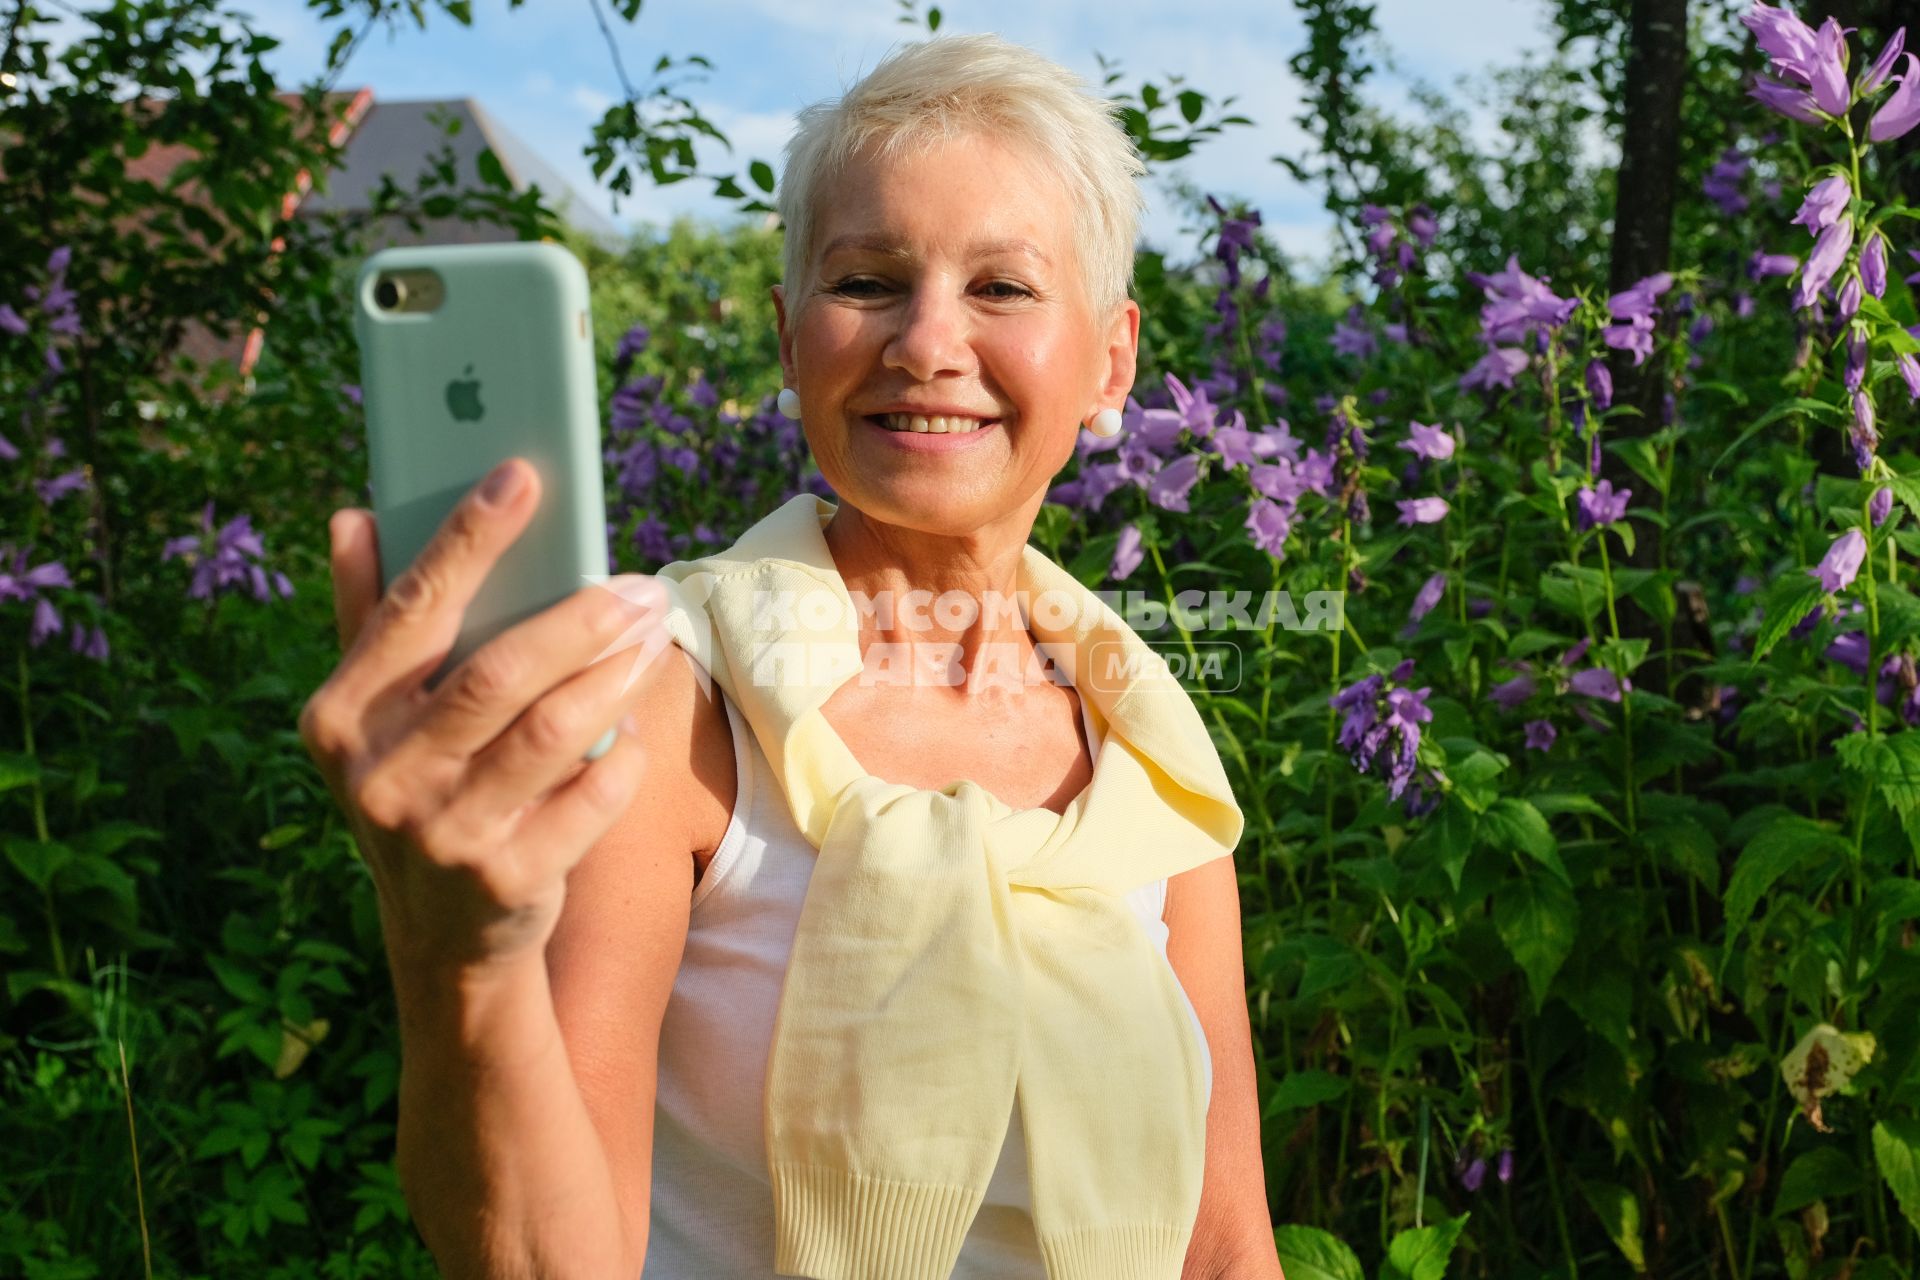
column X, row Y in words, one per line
column 952, row 950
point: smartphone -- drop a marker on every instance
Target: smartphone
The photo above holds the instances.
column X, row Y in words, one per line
column 471, row 354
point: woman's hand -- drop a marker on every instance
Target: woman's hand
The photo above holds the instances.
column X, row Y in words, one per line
column 470, row 801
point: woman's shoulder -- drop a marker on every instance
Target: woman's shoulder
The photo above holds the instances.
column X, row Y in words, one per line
column 683, row 726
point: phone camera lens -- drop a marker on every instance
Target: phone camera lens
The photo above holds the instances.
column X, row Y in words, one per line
column 389, row 294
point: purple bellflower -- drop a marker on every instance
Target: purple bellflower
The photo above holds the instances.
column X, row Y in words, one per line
column 1824, row 205
column 1838, row 568
column 1876, row 75
column 1518, row 304
column 1497, row 368
column 1422, row 510
column 1393, row 722
column 232, row 560
column 1428, row 596
column 1829, row 251
column 1599, row 505
column 1863, row 436
column 1633, row 310
column 1351, row 337
column 1722, row 183
column 1598, row 682
column 1509, row 694
column 1127, row 553
column 1909, row 373
column 1268, row 524
column 1901, row 111
column 1873, row 264
column 1435, row 444
column 1785, row 38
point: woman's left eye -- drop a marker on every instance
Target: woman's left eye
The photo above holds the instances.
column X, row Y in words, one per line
column 1015, row 290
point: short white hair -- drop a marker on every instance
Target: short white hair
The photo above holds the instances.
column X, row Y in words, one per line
column 960, row 85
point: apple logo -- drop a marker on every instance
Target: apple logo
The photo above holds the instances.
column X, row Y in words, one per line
column 463, row 398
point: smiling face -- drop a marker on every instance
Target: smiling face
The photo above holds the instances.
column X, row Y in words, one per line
column 946, row 284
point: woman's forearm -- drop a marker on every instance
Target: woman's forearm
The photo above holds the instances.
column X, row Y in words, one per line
column 502, row 1168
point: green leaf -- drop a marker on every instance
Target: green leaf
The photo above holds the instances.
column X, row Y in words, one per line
column 18, row 770
column 1690, row 847
column 1816, row 408
column 1815, row 1175
column 1896, row 1150
column 1641, row 455
column 1790, row 599
column 1303, row 1089
column 1537, row 918
column 1330, row 964
column 1907, row 489
column 1619, row 1213
column 1512, row 823
column 1308, row 1253
column 1556, row 803
column 38, row 860
column 1452, row 831
column 1422, row 1253
column 762, row 174
column 1473, row 779
column 1780, row 847
column 1893, row 763
column 243, row 986
column 1579, row 592
column 284, row 834
column 492, row 172
column 110, row 836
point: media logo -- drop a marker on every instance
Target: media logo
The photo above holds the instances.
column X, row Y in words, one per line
column 463, row 398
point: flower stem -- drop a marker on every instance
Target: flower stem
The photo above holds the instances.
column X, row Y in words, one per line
column 1333, row 716
column 40, row 830
column 1546, row 1152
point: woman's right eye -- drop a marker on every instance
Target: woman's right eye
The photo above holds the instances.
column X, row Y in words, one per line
column 855, row 284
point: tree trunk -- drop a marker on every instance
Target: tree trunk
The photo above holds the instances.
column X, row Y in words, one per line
column 1656, row 78
column 1645, row 192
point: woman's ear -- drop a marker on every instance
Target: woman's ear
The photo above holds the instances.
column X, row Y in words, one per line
column 1122, row 354
column 786, row 335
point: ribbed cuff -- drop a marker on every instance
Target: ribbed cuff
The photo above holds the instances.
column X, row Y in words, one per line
column 1129, row 1252
column 832, row 1224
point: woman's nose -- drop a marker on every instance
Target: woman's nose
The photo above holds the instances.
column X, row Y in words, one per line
column 932, row 337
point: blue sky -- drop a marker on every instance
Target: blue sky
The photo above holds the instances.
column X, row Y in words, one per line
column 544, row 72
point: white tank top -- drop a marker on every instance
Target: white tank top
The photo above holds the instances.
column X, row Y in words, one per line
column 712, row 1206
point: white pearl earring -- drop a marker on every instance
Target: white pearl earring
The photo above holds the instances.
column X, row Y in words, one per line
column 1105, row 424
column 789, row 403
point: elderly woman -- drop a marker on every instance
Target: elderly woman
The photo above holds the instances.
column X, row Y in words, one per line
column 627, row 1047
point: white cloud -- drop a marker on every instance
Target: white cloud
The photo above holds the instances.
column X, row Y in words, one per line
column 589, row 100
column 770, row 57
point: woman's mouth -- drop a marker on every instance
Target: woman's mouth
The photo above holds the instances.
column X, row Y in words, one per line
column 923, row 434
column 917, row 424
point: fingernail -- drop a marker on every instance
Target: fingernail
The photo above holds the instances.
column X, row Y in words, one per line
column 502, row 483
column 629, row 725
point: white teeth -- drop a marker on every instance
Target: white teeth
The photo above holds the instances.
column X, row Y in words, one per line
column 932, row 426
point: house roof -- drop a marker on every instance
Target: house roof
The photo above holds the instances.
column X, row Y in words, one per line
column 396, row 138
column 386, row 138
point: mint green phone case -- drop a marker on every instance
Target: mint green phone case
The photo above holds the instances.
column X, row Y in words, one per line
column 503, row 367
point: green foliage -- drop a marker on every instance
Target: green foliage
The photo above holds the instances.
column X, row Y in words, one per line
column 1529, row 1012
